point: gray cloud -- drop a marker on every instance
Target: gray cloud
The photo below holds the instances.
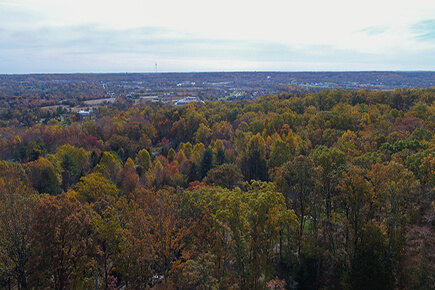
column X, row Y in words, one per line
column 424, row 30
column 95, row 48
column 96, row 39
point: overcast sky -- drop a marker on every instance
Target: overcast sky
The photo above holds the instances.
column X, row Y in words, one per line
column 56, row 36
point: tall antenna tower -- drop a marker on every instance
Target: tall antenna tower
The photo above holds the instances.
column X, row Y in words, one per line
column 156, row 67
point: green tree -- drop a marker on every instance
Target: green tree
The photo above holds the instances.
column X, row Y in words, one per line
column 396, row 190
column 231, row 212
column 221, row 157
column 225, row 175
column 143, row 159
column 34, row 150
column 421, row 134
column 279, row 154
column 94, row 185
column 369, row 261
column 267, row 214
column 207, row 163
column 330, row 159
column 108, row 239
column 48, row 182
column 70, row 173
column 171, row 155
column 254, row 165
column 44, row 176
column 297, row 181
column 198, row 273
column 356, row 197
column 110, row 166
column 250, row 224
column 203, row 134
column 78, row 155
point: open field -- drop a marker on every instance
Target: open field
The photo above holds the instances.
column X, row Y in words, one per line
column 90, row 104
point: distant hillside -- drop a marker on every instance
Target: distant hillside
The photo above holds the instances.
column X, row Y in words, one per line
column 372, row 80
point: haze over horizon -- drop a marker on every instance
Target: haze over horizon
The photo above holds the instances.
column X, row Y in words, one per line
column 53, row 36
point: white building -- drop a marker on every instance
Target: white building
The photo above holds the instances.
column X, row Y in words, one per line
column 84, row 113
column 188, row 100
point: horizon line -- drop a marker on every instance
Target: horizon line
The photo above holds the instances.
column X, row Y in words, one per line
column 220, row 71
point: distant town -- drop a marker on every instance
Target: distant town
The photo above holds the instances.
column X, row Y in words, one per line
column 81, row 93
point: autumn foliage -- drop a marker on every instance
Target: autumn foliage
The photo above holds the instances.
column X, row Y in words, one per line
column 328, row 190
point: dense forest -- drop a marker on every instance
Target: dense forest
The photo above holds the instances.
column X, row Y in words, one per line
column 305, row 190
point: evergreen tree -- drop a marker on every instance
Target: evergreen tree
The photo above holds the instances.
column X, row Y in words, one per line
column 221, row 157
column 206, row 163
